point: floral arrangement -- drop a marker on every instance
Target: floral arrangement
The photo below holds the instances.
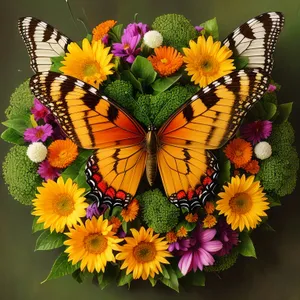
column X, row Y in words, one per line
column 150, row 70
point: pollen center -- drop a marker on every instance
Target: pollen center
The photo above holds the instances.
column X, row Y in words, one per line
column 90, row 69
column 241, row 203
column 95, row 243
column 144, row 252
column 164, row 60
column 63, row 205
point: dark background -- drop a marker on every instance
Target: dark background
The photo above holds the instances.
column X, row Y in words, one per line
column 275, row 275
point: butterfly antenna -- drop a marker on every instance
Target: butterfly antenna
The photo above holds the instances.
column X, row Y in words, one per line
column 86, row 19
column 70, row 11
column 135, row 17
column 84, row 25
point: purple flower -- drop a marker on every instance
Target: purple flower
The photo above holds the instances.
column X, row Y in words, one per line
column 92, row 210
column 135, row 29
column 57, row 133
column 256, row 131
column 39, row 110
column 46, row 171
column 179, row 245
column 121, row 233
column 227, row 236
column 39, row 133
column 200, row 251
column 199, row 28
column 271, row 88
column 105, row 39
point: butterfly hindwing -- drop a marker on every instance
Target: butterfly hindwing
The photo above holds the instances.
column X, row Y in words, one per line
column 42, row 42
column 256, row 40
column 205, row 122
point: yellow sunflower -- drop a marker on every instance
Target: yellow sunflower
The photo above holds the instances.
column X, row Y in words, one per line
column 243, row 203
column 92, row 243
column 206, row 60
column 143, row 253
column 90, row 64
column 59, row 204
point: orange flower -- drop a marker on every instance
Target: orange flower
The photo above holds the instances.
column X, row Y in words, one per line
column 171, row 237
column 102, row 29
column 209, row 221
column 166, row 60
column 61, row 153
column 115, row 222
column 130, row 213
column 191, row 218
column 209, row 207
column 239, row 152
column 181, row 232
column 252, row 167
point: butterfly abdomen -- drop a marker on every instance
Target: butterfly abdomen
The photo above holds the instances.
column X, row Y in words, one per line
column 151, row 162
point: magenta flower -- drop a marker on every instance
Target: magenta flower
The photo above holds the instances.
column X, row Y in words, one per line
column 39, row 133
column 227, row 236
column 135, row 29
column 256, row 131
column 46, row 171
column 92, row 210
column 199, row 28
column 39, row 110
column 199, row 254
column 271, row 88
column 180, row 245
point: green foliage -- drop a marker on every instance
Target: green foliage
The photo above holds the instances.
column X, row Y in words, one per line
column 194, row 278
column 37, row 226
column 284, row 111
column 158, row 212
column 122, row 92
column 124, row 279
column 56, row 64
column 12, row 136
column 127, row 75
column 176, row 30
column 18, row 124
column 49, row 241
column 282, row 134
column 143, row 70
column 211, row 28
column 162, row 84
column 115, row 33
column 170, row 278
column 21, row 102
column 106, row 278
column 241, row 62
column 246, row 247
column 141, row 110
column 20, row 174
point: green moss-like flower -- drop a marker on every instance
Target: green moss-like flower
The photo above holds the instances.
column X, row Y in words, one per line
column 157, row 212
column 20, row 174
column 21, row 102
column 223, row 263
column 176, row 30
column 141, row 109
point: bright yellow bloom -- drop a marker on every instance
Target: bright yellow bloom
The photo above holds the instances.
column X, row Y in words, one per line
column 143, row 253
column 206, row 60
column 243, row 203
column 102, row 29
column 90, row 64
column 131, row 211
column 209, row 221
column 92, row 243
column 59, row 204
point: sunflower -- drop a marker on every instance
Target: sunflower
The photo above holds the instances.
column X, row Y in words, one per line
column 101, row 30
column 90, row 64
column 92, row 243
column 207, row 61
column 166, row 61
column 143, row 253
column 59, row 204
column 243, row 203
column 130, row 212
column 61, row 153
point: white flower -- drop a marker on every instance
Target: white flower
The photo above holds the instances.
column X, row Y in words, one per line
column 37, row 152
column 263, row 150
column 153, row 39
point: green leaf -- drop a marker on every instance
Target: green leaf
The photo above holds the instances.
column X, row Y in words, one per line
column 225, row 169
column 162, row 84
column 81, row 178
column 284, row 111
column 198, row 279
column 49, row 241
column 274, row 201
column 89, row 37
column 165, row 272
column 61, row 267
column 115, row 33
column 153, row 281
column 128, row 76
column 211, row 28
column 124, row 279
column 187, row 225
column 19, row 125
column 37, row 226
column 104, row 279
column 125, row 226
column 143, row 69
column 246, row 247
column 56, row 63
column 270, row 109
column 241, row 62
column 80, row 276
column 10, row 135
column 173, row 281
column 267, row 227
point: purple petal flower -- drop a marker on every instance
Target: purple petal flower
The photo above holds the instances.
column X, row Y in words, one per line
column 135, row 29
column 105, row 39
column 39, row 110
column 199, row 253
column 46, row 171
column 256, row 131
column 179, row 245
column 199, row 28
column 39, row 133
column 92, row 210
column 121, row 233
column 271, row 88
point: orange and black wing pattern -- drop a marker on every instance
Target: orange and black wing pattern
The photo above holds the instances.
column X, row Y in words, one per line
column 93, row 121
column 205, row 122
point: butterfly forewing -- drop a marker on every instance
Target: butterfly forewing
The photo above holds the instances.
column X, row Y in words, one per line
column 42, row 42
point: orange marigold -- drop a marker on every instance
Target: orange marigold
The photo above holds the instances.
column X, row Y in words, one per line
column 181, row 232
column 209, row 221
column 115, row 222
column 209, row 207
column 130, row 212
column 239, row 152
column 252, row 167
column 102, row 29
column 171, row 237
column 61, row 153
column 191, row 218
column 166, row 61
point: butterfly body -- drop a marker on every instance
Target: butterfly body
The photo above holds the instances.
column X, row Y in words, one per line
column 152, row 145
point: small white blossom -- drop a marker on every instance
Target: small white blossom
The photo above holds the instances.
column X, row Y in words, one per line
column 263, row 150
column 37, row 152
column 153, row 39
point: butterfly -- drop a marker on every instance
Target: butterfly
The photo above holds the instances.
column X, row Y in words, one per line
column 181, row 149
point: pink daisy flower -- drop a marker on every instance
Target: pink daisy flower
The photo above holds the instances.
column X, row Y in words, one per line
column 256, row 131
column 39, row 110
column 39, row 133
column 46, row 171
